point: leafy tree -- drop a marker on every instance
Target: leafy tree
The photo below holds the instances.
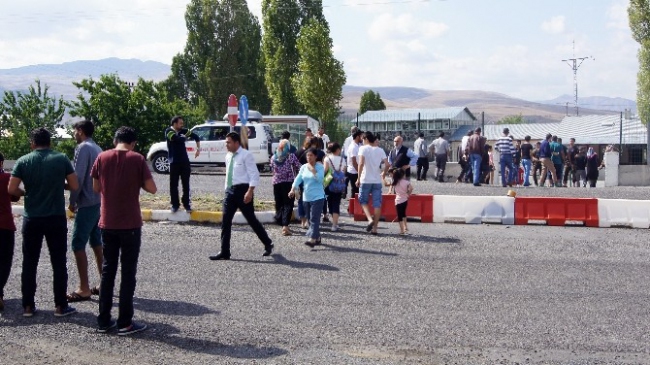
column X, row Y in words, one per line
column 512, row 119
column 639, row 16
column 222, row 56
column 371, row 101
column 321, row 77
column 20, row 113
column 146, row 106
column 281, row 29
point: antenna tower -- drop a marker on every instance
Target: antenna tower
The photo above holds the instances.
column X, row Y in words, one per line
column 575, row 63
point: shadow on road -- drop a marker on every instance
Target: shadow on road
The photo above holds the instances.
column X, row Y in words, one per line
column 279, row 259
column 170, row 335
column 171, row 307
column 357, row 250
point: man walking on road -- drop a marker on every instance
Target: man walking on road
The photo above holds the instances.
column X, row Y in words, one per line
column 441, row 151
column 545, row 155
column 420, row 148
column 370, row 180
column 476, row 147
column 179, row 163
column 118, row 174
column 242, row 177
column 352, row 153
column 85, row 203
column 44, row 174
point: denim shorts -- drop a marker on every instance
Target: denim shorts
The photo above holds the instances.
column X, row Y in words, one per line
column 85, row 228
column 370, row 189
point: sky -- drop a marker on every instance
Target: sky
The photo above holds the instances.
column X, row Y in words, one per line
column 514, row 47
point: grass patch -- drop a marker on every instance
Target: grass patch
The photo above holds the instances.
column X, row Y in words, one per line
column 205, row 202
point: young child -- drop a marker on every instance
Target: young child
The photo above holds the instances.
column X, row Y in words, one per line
column 403, row 190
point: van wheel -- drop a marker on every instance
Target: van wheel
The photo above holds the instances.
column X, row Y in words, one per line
column 160, row 163
column 261, row 168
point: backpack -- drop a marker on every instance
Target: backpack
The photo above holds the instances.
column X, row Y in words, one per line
column 338, row 179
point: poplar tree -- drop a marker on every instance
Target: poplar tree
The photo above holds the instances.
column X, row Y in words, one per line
column 639, row 16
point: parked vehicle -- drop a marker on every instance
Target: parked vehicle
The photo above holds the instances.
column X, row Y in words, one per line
column 213, row 146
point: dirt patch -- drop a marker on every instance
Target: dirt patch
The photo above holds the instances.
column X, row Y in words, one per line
column 205, row 202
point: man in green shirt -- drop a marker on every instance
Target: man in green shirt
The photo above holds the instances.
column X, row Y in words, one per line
column 44, row 174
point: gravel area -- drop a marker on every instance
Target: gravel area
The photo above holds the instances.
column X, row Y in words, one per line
column 448, row 294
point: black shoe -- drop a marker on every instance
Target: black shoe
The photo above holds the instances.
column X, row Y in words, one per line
column 310, row 244
column 220, row 256
column 268, row 249
column 477, row 184
column 369, row 227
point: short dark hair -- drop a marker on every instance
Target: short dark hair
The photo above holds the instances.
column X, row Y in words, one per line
column 370, row 137
column 126, row 135
column 442, row 134
column 312, row 150
column 559, row 139
column 175, row 119
column 470, row 132
column 572, row 139
column 308, row 130
column 333, row 147
column 234, row 136
column 527, row 138
column 477, row 130
column 506, row 131
column 2, row 157
column 421, row 135
column 548, row 136
column 85, row 126
column 357, row 134
column 285, row 135
column 40, row 137
column 554, row 138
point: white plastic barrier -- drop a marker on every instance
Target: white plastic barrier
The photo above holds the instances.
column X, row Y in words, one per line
column 473, row 209
column 621, row 212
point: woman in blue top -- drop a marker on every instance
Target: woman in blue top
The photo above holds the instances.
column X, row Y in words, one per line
column 311, row 175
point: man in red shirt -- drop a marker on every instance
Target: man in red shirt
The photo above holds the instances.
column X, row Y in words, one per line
column 7, row 230
column 118, row 174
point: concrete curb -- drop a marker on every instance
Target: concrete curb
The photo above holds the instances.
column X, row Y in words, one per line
column 150, row 215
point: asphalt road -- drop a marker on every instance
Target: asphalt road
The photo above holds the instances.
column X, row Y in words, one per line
column 448, row 294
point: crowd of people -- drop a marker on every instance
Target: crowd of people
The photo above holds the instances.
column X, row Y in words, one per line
column 105, row 188
column 562, row 166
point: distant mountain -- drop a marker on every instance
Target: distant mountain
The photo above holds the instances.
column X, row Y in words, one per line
column 594, row 102
column 59, row 77
column 495, row 105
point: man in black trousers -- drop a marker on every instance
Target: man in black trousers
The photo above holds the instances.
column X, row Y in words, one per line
column 242, row 177
column 179, row 163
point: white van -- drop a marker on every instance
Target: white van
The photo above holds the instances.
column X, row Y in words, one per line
column 213, row 146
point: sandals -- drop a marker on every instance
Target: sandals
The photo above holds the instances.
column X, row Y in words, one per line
column 76, row 297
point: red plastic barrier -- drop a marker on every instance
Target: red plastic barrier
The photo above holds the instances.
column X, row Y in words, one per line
column 556, row 211
column 420, row 206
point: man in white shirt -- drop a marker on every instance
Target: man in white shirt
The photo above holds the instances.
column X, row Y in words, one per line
column 352, row 162
column 420, row 149
column 370, row 179
column 242, row 177
column 441, row 151
column 347, row 141
column 324, row 137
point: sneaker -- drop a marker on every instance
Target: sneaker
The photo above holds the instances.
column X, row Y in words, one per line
column 174, row 209
column 133, row 328
column 58, row 312
column 103, row 329
column 335, row 228
column 29, row 311
column 326, row 219
column 188, row 210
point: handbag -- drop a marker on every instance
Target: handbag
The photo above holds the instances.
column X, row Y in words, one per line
column 328, row 176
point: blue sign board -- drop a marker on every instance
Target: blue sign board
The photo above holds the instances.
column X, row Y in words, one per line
column 243, row 110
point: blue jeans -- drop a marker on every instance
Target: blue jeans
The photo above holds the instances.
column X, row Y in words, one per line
column 314, row 210
column 527, row 164
column 475, row 161
column 374, row 190
column 506, row 161
column 120, row 246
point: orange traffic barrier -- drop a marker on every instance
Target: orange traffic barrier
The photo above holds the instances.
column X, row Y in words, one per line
column 420, row 206
column 556, row 211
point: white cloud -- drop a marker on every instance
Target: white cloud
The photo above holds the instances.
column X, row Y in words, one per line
column 617, row 15
column 404, row 26
column 555, row 25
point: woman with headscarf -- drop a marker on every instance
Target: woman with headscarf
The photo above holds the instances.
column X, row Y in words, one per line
column 284, row 166
column 593, row 163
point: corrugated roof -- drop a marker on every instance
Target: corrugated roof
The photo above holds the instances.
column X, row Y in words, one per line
column 461, row 132
column 396, row 115
column 588, row 129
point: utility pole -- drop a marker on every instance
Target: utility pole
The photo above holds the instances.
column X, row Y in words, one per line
column 575, row 63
